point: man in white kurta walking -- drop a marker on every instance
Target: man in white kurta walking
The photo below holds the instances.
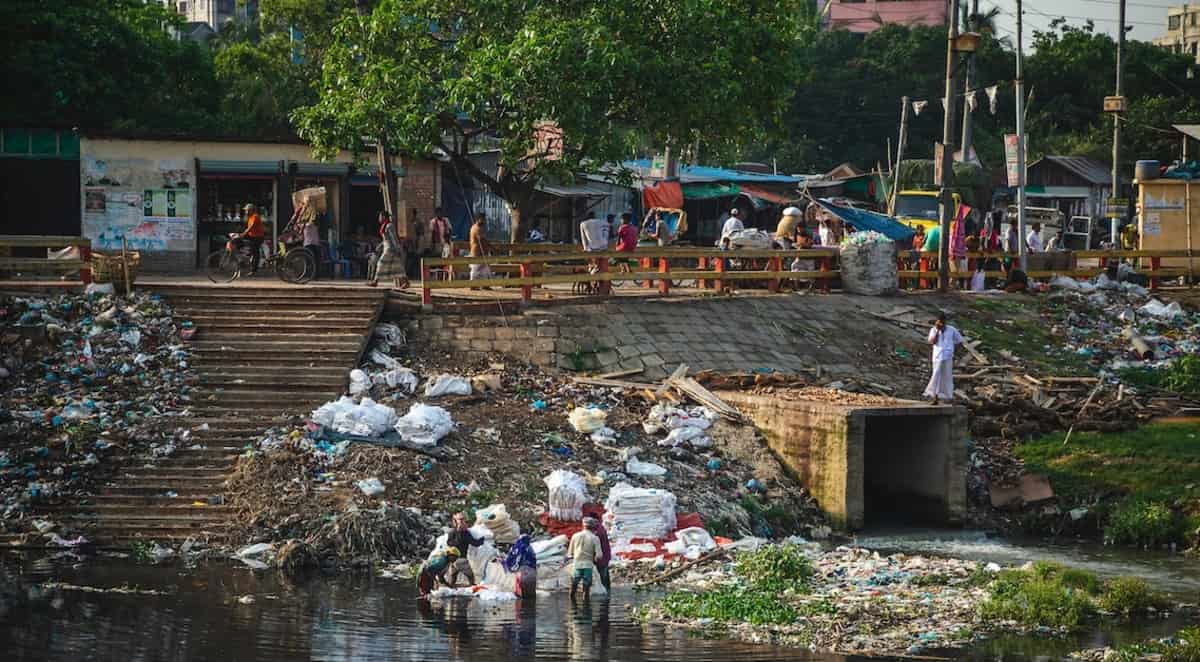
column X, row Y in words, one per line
column 943, row 337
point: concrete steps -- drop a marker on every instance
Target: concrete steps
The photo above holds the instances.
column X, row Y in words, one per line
column 261, row 356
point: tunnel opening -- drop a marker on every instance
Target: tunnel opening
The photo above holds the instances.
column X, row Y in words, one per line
column 905, row 470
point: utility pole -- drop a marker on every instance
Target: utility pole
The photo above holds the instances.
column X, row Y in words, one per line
column 948, row 152
column 1116, row 157
column 899, row 154
column 1020, row 85
column 970, row 84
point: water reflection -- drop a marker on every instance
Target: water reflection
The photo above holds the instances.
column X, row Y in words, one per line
column 204, row 614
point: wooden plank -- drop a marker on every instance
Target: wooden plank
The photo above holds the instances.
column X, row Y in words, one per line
column 620, row 373
column 40, row 264
column 613, row 383
column 811, row 253
column 43, row 241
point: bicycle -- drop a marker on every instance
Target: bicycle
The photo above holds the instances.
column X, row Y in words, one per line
column 294, row 265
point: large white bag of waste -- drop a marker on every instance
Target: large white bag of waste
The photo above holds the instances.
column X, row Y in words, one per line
column 424, row 425
column 869, row 267
column 547, row 549
column 691, row 543
column 750, row 238
column 447, row 385
column 587, row 420
column 567, row 495
column 497, row 520
column 634, row 512
column 359, row 382
column 390, row 334
column 401, row 378
column 366, row 419
column 665, row 417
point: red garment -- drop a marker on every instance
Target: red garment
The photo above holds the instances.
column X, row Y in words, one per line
column 627, row 238
column 989, row 243
column 383, row 228
column 439, row 230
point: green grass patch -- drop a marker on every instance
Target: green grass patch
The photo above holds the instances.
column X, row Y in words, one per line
column 1142, row 523
column 1037, row 597
column 776, row 569
column 1182, row 376
column 1015, row 326
column 1183, row 647
column 731, row 603
column 1132, row 463
column 1129, row 597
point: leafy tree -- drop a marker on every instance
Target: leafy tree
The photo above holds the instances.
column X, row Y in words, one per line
column 557, row 87
column 111, row 64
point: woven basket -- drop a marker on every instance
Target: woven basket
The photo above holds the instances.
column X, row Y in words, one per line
column 108, row 268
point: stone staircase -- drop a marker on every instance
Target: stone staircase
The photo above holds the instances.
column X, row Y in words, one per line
column 259, row 353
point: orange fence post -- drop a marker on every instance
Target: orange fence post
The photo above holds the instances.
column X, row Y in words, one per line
column 923, row 265
column 702, row 265
column 646, row 267
column 664, row 271
column 526, row 289
column 1154, row 262
column 718, row 282
column 426, row 295
column 605, row 285
column 826, row 265
column 774, row 265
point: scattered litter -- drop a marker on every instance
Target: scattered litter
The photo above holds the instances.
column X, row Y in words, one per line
column 587, row 420
column 640, row 468
column 446, row 385
column 371, row 486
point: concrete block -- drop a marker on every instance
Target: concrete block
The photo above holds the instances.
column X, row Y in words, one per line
column 652, row 359
column 627, row 350
column 607, row 359
column 631, row 364
column 547, row 331
column 431, row 323
column 506, row 346
column 480, row 345
column 505, row 333
column 543, row 345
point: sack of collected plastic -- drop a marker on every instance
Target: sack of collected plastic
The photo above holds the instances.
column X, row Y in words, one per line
column 359, row 382
column 424, row 425
column 496, row 518
column 640, row 468
column 691, row 543
column 868, row 264
column 567, row 495
column 634, row 512
column 1156, row 308
column 390, row 334
column 750, row 238
column 587, row 420
column 552, row 563
column 401, row 378
column 447, row 385
column 365, row 419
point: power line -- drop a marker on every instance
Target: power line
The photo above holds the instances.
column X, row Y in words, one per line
column 1094, row 18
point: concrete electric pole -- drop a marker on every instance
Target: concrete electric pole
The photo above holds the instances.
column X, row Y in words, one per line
column 947, row 163
column 1020, row 85
column 973, row 26
column 1116, row 154
column 903, row 140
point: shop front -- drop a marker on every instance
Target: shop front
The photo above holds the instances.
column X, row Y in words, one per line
column 224, row 188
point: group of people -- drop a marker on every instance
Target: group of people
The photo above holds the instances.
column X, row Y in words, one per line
column 809, row 228
column 589, row 549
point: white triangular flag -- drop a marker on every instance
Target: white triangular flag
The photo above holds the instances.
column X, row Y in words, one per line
column 918, row 106
column 992, row 92
column 972, row 101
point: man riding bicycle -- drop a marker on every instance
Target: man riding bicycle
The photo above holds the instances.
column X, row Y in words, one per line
column 252, row 236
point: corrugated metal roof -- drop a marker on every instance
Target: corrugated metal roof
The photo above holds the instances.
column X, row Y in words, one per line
column 1191, row 130
column 692, row 174
column 1090, row 170
column 580, row 190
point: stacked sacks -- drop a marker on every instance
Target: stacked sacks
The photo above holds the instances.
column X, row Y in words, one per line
column 634, row 512
column 366, row 419
column 552, row 563
column 497, row 520
column 568, row 493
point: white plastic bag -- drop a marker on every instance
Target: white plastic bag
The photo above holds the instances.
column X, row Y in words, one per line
column 390, row 334
column 1157, row 308
column 639, row 468
column 447, row 385
column 370, row 486
column 567, row 495
column 365, row 419
column 359, row 382
column 587, row 420
column 424, row 425
column 496, row 520
column 402, row 378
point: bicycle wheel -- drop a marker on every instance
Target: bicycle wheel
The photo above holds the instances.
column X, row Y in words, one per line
column 223, row 266
column 296, row 267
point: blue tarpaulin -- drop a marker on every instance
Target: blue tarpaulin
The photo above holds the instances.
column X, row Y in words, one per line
column 861, row 219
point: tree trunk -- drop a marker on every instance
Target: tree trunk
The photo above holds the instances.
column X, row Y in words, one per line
column 520, row 210
column 387, row 189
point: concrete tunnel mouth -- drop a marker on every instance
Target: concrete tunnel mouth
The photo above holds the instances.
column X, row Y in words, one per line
column 893, row 462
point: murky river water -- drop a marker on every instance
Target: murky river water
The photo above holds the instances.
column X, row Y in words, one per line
column 361, row 617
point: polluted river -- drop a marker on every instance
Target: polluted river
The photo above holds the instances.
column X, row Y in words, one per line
column 64, row 607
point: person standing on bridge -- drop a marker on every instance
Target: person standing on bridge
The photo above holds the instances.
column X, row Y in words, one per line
column 944, row 338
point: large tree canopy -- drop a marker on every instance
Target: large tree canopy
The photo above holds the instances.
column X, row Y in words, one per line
column 607, row 78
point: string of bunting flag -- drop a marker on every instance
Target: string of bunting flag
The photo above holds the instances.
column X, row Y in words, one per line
column 992, row 92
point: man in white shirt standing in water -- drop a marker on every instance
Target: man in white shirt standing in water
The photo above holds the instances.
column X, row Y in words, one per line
column 944, row 338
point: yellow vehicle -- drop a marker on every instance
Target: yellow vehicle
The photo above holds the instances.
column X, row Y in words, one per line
column 919, row 208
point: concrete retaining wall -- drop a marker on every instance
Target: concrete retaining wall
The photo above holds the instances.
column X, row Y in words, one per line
column 908, row 459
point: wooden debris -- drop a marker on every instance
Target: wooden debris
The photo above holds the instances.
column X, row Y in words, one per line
column 621, row 373
column 714, row 554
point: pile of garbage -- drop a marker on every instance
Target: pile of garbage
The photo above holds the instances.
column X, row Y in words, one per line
column 859, row 602
column 90, row 381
